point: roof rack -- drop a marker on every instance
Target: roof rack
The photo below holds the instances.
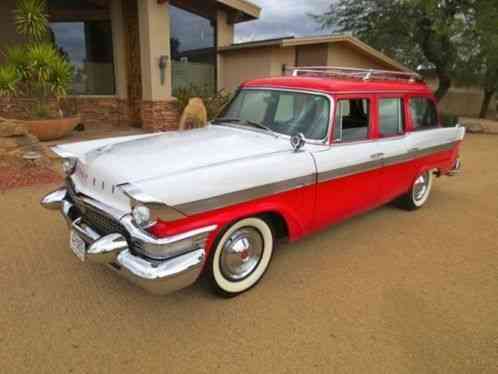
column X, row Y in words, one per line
column 352, row 73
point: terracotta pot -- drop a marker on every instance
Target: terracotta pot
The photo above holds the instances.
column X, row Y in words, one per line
column 51, row 129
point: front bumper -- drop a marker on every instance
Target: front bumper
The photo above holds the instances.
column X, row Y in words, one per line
column 158, row 276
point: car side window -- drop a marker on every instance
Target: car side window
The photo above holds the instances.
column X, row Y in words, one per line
column 423, row 112
column 391, row 118
column 285, row 108
column 352, row 120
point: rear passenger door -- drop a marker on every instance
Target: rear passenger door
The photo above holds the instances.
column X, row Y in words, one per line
column 392, row 141
column 349, row 170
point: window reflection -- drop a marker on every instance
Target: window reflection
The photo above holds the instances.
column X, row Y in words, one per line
column 88, row 46
column 193, row 49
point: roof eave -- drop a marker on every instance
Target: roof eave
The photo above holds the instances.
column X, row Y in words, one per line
column 242, row 10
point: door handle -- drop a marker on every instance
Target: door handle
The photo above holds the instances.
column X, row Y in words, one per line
column 376, row 156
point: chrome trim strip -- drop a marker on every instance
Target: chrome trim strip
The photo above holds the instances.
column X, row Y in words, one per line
column 238, row 197
column 349, row 170
column 243, row 196
column 387, row 161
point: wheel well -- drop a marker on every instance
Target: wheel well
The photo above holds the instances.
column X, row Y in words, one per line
column 277, row 223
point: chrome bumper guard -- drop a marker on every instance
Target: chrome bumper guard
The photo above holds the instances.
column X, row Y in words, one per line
column 457, row 167
column 156, row 276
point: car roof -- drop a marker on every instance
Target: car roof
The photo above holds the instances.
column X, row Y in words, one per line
column 340, row 86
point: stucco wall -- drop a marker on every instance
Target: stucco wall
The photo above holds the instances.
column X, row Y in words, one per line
column 312, row 55
column 341, row 54
column 245, row 64
column 8, row 34
column 281, row 57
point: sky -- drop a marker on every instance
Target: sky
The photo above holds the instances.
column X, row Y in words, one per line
column 283, row 18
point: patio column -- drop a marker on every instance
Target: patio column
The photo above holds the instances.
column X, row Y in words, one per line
column 225, row 36
column 120, row 60
column 119, row 48
column 158, row 106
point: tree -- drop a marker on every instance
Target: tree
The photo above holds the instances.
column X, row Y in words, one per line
column 415, row 32
column 487, row 36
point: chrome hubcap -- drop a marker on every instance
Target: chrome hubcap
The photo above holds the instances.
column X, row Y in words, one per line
column 241, row 254
column 421, row 187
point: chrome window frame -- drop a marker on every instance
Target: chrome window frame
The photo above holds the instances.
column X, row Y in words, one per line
column 402, row 115
column 436, row 126
column 330, row 98
column 340, row 140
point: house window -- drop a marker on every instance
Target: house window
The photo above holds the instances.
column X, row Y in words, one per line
column 193, row 48
column 352, row 120
column 82, row 33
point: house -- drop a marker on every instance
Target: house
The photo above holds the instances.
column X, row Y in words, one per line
column 130, row 54
column 265, row 58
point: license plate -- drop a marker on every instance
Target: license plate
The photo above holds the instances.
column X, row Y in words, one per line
column 78, row 246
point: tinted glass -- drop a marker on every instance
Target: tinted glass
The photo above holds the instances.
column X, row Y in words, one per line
column 193, row 49
column 81, row 30
column 352, row 120
column 287, row 113
column 423, row 112
column 391, row 117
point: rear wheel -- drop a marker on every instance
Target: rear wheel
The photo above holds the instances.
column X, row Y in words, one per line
column 241, row 256
column 419, row 193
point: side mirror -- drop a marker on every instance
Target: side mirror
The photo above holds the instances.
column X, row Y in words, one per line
column 297, row 142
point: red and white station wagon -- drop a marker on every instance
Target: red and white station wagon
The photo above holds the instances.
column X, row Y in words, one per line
column 287, row 157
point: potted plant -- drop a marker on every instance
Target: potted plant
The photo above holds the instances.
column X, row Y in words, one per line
column 37, row 75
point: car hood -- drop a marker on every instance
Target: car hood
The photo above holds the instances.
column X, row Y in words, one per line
column 105, row 164
column 177, row 152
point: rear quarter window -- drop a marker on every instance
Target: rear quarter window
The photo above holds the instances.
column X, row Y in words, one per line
column 423, row 112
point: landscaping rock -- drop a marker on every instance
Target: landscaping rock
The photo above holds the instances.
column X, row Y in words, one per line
column 480, row 126
column 10, row 128
column 16, row 142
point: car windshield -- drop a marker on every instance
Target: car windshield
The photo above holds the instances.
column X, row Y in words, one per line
column 282, row 112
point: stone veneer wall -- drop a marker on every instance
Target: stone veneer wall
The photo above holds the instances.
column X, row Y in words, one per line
column 95, row 112
column 160, row 115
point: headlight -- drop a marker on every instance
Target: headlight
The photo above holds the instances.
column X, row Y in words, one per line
column 69, row 165
column 141, row 215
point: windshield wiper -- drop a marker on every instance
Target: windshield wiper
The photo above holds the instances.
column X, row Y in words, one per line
column 225, row 119
column 244, row 123
column 258, row 125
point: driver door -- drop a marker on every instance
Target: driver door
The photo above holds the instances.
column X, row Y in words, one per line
column 349, row 171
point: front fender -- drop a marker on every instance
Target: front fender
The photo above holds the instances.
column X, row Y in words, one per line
column 295, row 207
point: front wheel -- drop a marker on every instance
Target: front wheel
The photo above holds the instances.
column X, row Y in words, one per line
column 241, row 256
column 419, row 193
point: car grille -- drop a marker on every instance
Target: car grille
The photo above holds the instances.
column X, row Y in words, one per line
column 101, row 222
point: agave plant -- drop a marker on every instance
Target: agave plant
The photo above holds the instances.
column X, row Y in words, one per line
column 35, row 69
column 9, row 78
column 31, row 19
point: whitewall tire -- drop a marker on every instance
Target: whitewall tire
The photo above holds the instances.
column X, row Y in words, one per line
column 419, row 193
column 241, row 256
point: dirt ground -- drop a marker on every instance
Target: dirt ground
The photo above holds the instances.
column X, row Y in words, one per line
column 387, row 292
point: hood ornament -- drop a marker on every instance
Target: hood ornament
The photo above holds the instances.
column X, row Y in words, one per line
column 297, row 141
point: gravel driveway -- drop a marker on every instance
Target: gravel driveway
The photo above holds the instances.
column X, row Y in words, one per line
column 387, row 292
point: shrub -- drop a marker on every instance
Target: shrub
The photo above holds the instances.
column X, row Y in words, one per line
column 214, row 102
